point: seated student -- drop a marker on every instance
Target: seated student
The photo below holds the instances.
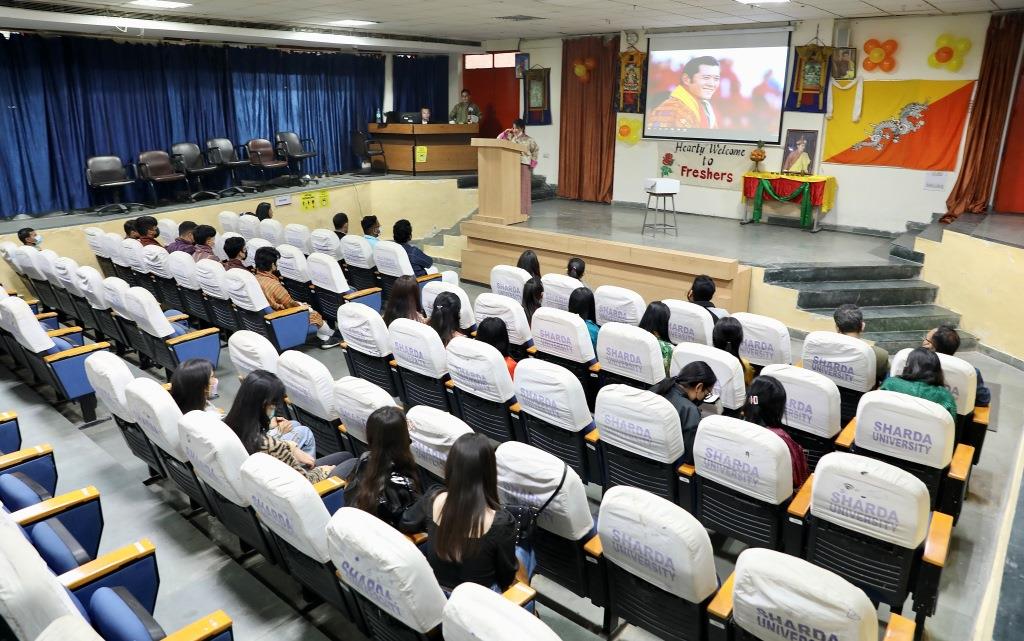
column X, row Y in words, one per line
column 28, row 236
column 129, row 229
column 371, row 229
column 575, row 268
column 445, row 316
column 203, row 248
column 655, row 321
column 471, row 538
column 234, row 248
column 340, row 221
column 850, row 322
column 193, row 385
column 766, row 406
column 728, row 336
column 494, row 332
column 184, row 242
column 922, row 377
column 264, row 211
column 581, row 303
column 533, row 297
column 945, row 340
column 279, row 298
column 701, row 293
column 385, row 480
column 148, row 230
column 528, row 261
column 404, row 301
column 402, row 234
column 250, row 417
column 686, row 391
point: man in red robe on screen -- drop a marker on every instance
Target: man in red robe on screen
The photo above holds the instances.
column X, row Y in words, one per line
column 689, row 105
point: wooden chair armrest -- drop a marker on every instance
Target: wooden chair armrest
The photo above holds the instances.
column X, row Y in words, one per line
column 960, row 466
column 63, row 331
column 281, row 313
column 595, row 368
column 76, row 351
column 11, row 292
column 32, row 301
column 206, row 628
column 177, row 317
column 802, row 501
column 981, row 415
column 593, row 436
column 721, row 605
column 531, row 350
column 343, row 345
column 199, row 333
column 427, row 277
column 449, row 384
column 8, row 416
column 936, row 546
column 45, row 315
column 25, row 454
column 417, row 538
column 342, row 429
column 520, row 593
column 392, row 363
column 845, row 438
column 104, row 565
column 329, row 484
column 593, row 547
column 515, row 408
column 45, row 509
column 361, row 292
column 167, row 386
column 899, row 629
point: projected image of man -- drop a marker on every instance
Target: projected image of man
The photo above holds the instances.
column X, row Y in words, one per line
column 689, row 105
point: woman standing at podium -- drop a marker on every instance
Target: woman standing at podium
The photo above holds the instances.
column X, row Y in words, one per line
column 528, row 160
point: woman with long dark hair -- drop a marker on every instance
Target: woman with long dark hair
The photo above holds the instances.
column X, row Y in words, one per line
column 655, row 321
column 728, row 336
column 250, row 418
column 494, row 332
column 528, row 261
column 766, row 406
column 575, row 268
column 686, row 391
column 922, row 377
column 533, row 297
column 384, row 481
column 404, row 301
column 444, row 318
column 472, row 539
column 581, row 303
column 264, row 211
column 193, row 385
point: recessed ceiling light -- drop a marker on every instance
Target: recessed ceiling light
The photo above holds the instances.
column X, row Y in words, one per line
column 762, row 1
column 160, row 4
column 352, row 23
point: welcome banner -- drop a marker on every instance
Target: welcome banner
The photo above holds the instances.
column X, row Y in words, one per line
column 719, row 165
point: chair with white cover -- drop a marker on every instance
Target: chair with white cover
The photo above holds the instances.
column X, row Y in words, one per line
column 157, row 415
column 392, row 261
column 294, row 273
column 228, row 221
column 689, row 322
column 94, row 236
column 394, row 587
column 23, row 257
column 325, row 241
column 430, row 290
column 558, row 288
column 915, row 435
column 508, row 281
column 286, row 328
column 529, row 476
column 158, row 261
column 743, row 480
column 358, row 256
column 629, row 355
column 475, row 612
column 184, row 270
column 66, row 270
column 217, row 456
column 666, row 588
column 641, row 443
column 296, row 513
column 729, row 386
column 218, row 244
column 354, row 399
column 248, row 227
column 167, row 230
column 618, row 304
column 169, row 340
column 118, row 258
column 9, row 252
column 272, row 231
column 114, row 291
column 847, row 360
column 135, row 254
column 563, row 338
column 765, row 340
column 212, row 279
column 421, row 364
column 90, row 283
column 297, row 236
column 520, row 338
column 310, row 391
column 771, row 595
column 366, row 345
column 432, row 433
column 44, row 263
column 483, row 393
column 812, row 409
column 250, row 351
column 251, row 245
column 331, row 289
column 868, row 521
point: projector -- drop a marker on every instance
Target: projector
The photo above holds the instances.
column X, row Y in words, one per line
column 661, row 186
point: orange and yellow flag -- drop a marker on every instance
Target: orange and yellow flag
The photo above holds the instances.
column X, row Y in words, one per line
column 916, row 124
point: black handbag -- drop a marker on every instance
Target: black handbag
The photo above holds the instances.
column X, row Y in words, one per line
column 525, row 516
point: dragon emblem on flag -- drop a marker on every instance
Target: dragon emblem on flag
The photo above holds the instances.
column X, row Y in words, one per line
column 911, row 119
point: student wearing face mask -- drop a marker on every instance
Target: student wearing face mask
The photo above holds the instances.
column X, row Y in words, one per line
column 252, row 416
column 693, row 385
column 28, row 236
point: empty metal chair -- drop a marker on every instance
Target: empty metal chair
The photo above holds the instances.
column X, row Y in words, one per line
column 430, row 290
column 354, row 399
column 228, row 221
column 294, row 150
column 432, row 433
column 765, row 340
column 310, row 391
column 155, row 168
column 476, row 612
column 367, row 345
column 520, row 338
column 421, row 364
column 109, row 173
column 629, row 355
column 727, row 368
column 250, row 251
column 213, row 280
column 689, row 322
column 272, row 231
column 847, row 360
column 185, row 273
column 812, row 409
column 359, row 259
column 250, row 351
column 324, row 241
column 10, row 433
column 189, row 159
column 508, row 281
column 286, row 328
column 169, row 339
column 297, row 236
column 263, row 157
column 294, row 273
column 392, row 261
column 168, row 230
column 225, row 155
column 331, row 289
column 558, row 288
column 157, row 261
column 563, row 338
column 618, row 304
column 483, row 393
column 248, row 227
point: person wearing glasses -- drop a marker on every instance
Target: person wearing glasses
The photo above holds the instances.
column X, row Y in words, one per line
column 693, row 385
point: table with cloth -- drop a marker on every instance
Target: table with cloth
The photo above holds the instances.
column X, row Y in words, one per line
column 810, row 193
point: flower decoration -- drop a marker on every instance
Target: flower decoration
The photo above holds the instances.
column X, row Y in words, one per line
column 949, row 52
column 666, row 164
column 581, row 68
column 880, row 55
column 629, row 130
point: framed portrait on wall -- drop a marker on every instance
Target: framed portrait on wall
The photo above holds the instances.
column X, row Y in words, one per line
column 799, row 150
column 844, row 63
column 522, row 65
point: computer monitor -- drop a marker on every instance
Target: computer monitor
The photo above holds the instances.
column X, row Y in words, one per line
column 411, row 117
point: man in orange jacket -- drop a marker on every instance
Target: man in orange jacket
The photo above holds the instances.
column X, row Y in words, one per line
column 689, row 105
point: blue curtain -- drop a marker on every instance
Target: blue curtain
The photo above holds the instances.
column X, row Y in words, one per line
column 69, row 98
column 422, row 81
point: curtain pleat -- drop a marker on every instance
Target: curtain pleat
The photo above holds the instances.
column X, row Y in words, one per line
column 421, row 81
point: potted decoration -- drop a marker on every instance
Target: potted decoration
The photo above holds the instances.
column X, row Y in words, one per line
column 758, row 155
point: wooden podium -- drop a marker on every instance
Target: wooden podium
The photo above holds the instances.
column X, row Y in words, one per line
column 498, row 169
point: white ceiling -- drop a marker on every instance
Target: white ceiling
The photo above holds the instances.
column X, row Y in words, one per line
column 477, row 20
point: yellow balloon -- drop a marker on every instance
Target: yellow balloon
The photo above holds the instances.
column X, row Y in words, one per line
column 933, row 63
column 945, row 40
column 579, row 70
column 955, row 64
column 877, row 55
column 962, row 45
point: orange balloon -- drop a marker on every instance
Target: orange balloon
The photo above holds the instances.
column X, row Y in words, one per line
column 890, row 46
column 944, row 54
column 589, row 63
column 868, row 65
column 624, row 130
column 585, row 79
column 887, row 65
column 871, row 44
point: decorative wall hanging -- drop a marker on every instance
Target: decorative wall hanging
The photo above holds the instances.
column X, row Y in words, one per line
column 857, row 85
column 537, row 84
column 629, row 130
column 949, row 52
column 881, row 55
column 581, row 68
column 809, row 87
column 632, row 80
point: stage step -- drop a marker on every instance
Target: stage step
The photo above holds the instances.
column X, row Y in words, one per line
column 539, row 187
column 862, row 292
column 450, row 251
column 893, row 342
column 900, row 318
column 897, row 270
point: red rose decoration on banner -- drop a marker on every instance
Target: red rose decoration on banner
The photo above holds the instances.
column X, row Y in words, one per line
column 667, row 160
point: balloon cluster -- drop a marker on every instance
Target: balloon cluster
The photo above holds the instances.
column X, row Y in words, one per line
column 629, row 130
column 581, row 68
column 949, row 52
column 880, row 55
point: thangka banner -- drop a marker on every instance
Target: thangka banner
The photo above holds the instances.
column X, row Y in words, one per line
column 915, row 124
column 705, row 164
